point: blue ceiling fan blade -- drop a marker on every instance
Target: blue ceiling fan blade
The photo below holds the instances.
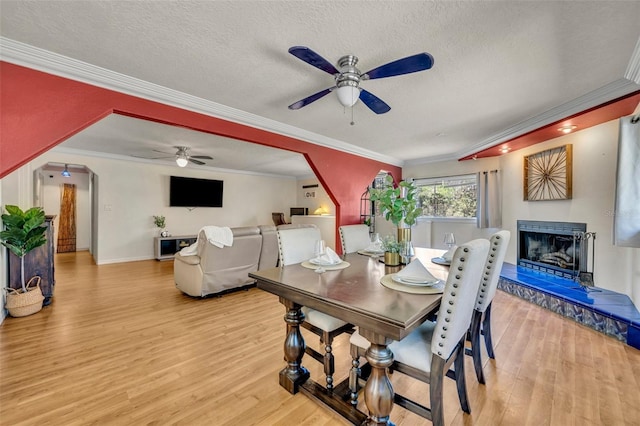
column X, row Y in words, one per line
column 415, row 63
column 312, row 98
column 312, row 58
column 374, row 103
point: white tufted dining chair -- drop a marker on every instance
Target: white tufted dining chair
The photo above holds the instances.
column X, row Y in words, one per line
column 427, row 352
column 481, row 320
column 354, row 238
column 295, row 246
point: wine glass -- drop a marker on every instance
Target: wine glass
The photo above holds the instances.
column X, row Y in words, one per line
column 376, row 242
column 449, row 239
column 406, row 252
column 319, row 250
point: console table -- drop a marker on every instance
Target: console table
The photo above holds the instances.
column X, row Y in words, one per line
column 164, row 248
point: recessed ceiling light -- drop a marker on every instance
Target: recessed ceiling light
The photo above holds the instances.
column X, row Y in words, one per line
column 504, row 149
column 567, row 129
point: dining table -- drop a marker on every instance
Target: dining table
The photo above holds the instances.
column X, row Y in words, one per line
column 361, row 293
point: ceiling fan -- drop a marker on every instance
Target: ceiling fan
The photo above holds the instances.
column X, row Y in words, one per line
column 183, row 157
column 348, row 77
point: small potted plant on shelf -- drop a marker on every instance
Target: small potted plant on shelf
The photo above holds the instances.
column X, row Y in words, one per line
column 391, row 249
column 24, row 231
column 398, row 204
column 160, row 222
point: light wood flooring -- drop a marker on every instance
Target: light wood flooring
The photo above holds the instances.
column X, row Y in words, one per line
column 121, row 346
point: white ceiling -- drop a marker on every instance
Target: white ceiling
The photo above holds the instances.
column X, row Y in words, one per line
column 501, row 68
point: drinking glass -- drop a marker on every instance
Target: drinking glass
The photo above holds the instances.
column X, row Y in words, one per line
column 406, row 252
column 376, row 242
column 319, row 250
column 449, row 239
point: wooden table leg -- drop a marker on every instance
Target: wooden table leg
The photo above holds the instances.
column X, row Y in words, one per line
column 378, row 392
column 294, row 374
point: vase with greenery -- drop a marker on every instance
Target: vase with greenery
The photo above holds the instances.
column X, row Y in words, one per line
column 23, row 232
column 391, row 248
column 161, row 223
column 398, row 204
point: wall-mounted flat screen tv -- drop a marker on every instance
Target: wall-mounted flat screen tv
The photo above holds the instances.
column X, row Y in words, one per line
column 193, row 192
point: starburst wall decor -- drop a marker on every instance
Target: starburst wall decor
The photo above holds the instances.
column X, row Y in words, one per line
column 547, row 174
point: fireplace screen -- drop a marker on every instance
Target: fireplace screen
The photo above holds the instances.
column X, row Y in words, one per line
column 551, row 247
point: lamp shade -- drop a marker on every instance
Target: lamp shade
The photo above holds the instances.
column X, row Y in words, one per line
column 181, row 160
column 65, row 172
column 348, row 95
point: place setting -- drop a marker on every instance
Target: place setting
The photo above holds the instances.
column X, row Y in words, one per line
column 445, row 259
column 413, row 278
column 374, row 249
column 325, row 259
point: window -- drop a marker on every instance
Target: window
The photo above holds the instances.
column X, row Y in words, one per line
column 448, row 196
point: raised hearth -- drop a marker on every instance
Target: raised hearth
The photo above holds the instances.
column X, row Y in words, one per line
column 603, row 310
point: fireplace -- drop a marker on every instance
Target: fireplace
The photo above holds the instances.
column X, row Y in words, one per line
column 555, row 248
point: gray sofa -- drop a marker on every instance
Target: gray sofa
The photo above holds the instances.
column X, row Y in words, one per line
column 214, row 270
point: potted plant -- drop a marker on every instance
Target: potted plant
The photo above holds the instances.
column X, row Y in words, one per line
column 398, row 204
column 160, row 222
column 391, row 249
column 24, row 231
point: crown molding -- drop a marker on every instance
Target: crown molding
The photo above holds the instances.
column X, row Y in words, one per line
column 19, row 53
column 611, row 91
column 633, row 69
column 109, row 156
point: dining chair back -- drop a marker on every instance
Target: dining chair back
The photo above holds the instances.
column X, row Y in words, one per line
column 295, row 246
column 481, row 321
column 354, row 238
column 428, row 352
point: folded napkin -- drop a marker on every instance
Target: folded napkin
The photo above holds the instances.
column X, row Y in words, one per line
column 449, row 253
column 374, row 248
column 219, row 236
column 329, row 257
column 416, row 272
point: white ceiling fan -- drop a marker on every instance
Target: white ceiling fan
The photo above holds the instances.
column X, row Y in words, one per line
column 183, row 157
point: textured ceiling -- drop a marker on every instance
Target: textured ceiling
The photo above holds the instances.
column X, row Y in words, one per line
column 497, row 64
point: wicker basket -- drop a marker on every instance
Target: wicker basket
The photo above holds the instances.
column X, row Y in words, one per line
column 21, row 304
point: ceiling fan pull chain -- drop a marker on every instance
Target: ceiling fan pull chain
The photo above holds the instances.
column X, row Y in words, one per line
column 352, row 122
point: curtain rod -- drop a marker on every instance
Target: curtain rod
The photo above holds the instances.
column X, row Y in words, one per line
column 448, row 176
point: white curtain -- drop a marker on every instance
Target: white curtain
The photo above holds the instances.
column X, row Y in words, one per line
column 626, row 220
column 489, row 214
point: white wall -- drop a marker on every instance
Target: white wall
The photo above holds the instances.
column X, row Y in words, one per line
column 594, row 169
column 321, row 198
column 130, row 193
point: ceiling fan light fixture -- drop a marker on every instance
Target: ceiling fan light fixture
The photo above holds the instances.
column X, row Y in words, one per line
column 348, row 95
column 182, row 160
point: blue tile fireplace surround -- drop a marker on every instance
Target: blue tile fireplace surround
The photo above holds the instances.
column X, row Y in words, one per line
column 603, row 310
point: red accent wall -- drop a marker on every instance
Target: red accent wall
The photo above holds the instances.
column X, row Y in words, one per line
column 40, row 110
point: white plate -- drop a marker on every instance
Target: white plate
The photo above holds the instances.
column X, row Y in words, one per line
column 371, row 253
column 315, row 261
column 415, row 282
column 441, row 261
